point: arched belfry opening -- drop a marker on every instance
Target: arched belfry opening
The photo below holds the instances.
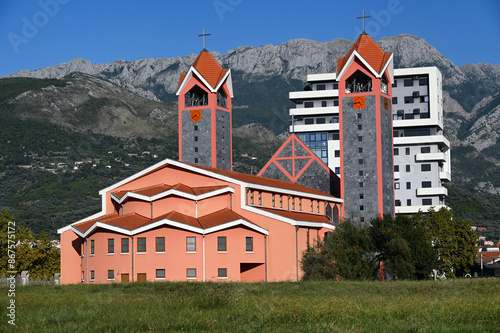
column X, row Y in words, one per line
column 196, row 97
column 221, row 98
column 358, row 82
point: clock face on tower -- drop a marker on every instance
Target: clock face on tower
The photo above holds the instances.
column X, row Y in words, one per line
column 358, row 102
column 195, row 115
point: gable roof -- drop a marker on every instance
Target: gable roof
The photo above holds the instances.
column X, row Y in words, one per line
column 297, row 157
column 209, row 71
column 367, row 50
column 133, row 223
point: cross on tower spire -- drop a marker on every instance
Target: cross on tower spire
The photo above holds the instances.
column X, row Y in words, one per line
column 363, row 17
column 204, row 35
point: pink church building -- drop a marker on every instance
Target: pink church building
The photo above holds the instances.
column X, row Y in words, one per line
column 196, row 219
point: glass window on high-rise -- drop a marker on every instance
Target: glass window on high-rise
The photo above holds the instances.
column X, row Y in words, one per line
column 317, row 142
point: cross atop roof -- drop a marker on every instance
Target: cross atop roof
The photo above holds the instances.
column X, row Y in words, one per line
column 204, row 35
column 360, row 17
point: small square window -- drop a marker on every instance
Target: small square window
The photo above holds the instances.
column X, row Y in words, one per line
column 362, row 219
column 396, row 168
column 360, row 150
column 195, row 139
column 394, row 100
column 111, row 274
column 359, row 115
column 160, row 273
column 361, row 184
column 360, row 127
column 337, row 170
column 196, row 160
column 337, row 153
column 195, row 127
column 361, row 161
column 361, row 207
column 191, row 273
column 361, row 173
column 222, row 273
column 397, row 203
column 323, row 104
column 360, row 138
column 195, row 149
column 361, row 196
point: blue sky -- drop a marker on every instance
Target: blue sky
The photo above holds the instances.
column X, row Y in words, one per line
column 39, row 33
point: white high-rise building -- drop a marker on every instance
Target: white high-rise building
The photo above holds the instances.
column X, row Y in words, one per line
column 421, row 152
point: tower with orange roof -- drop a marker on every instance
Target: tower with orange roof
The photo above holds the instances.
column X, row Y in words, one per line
column 205, row 117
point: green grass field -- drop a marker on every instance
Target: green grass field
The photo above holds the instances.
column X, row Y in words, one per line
column 404, row 306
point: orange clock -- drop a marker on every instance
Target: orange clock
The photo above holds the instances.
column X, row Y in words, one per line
column 195, row 115
column 359, row 102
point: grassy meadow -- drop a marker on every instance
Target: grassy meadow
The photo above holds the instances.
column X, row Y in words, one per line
column 471, row 305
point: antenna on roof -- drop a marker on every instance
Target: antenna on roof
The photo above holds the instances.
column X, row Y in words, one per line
column 360, row 17
column 204, row 35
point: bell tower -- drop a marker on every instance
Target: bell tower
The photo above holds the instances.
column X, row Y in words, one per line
column 364, row 78
column 205, row 115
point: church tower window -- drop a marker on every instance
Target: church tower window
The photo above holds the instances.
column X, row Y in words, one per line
column 196, row 97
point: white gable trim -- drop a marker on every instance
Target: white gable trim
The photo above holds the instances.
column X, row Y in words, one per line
column 367, row 65
column 170, row 192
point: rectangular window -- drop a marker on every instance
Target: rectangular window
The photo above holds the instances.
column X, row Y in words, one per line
column 395, row 84
column 334, row 120
column 361, row 196
column 124, row 245
column 361, row 173
column 359, row 115
column 361, row 207
column 92, row 275
column 335, row 85
column 141, row 244
column 111, row 245
column 195, row 139
column 191, row 273
column 222, row 273
column 360, row 150
column 397, row 203
column 407, row 168
column 396, row 186
column 160, row 273
column 92, row 246
column 335, row 136
column 425, row 150
column 195, row 127
column 425, row 167
column 426, row 184
column 337, row 170
column 407, row 151
column 308, row 104
column 160, row 244
column 337, row 153
column 195, row 149
column 111, row 274
column 335, row 102
column 323, row 104
column 408, row 202
column 361, row 219
column 221, row 244
column 251, row 197
column 408, row 99
column 360, row 138
column 274, row 201
column 309, row 121
column 394, row 100
column 249, row 244
column 426, row 202
column 281, row 201
column 408, row 82
column 361, row 161
column 321, row 121
column 260, row 198
column 396, row 168
column 422, row 81
column 360, row 127
column 408, row 185
column 196, row 160
column 361, row 184
column 320, row 87
column 191, row 244
column 396, row 151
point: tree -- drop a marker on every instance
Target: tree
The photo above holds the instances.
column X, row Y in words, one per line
column 38, row 256
column 453, row 240
column 347, row 254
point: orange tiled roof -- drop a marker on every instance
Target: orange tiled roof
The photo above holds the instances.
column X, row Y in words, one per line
column 263, row 181
column 157, row 189
column 208, row 67
column 369, row 50
column 219, row 217
column 128, row 221
column 298, row 216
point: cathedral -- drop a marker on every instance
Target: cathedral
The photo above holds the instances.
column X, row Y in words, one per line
column 197, row 220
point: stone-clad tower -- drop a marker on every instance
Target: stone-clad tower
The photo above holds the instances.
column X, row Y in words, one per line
column 205, row 116
column 364, row 78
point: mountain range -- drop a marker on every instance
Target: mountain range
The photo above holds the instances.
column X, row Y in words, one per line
column 135, row 100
